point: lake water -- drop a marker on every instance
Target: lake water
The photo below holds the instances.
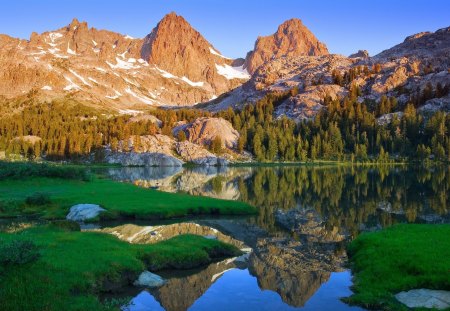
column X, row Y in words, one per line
column 306, row 217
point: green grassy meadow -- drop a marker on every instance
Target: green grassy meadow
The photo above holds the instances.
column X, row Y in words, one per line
column 399, row 258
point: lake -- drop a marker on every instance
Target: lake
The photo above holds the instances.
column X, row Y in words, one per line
column 306, row 217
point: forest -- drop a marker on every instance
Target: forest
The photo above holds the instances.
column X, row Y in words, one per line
column 345, row 130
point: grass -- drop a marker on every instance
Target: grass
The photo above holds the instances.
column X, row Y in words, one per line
column 75, row 267
column 122, row 200
column 24, row 170
column 396, row 259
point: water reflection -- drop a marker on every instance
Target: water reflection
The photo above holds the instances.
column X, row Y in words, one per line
column 348, row 198
column 306, row 217
column 237, row 289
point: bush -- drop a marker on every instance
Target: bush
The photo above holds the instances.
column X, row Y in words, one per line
column 38, row 198
column 18, row 252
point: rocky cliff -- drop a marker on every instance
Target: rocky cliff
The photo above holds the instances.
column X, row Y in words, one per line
column 403, row 71
column 173, row 66
column 292, row 38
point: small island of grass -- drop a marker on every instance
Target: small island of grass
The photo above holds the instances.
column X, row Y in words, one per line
column 49, row 268
column 396, row 259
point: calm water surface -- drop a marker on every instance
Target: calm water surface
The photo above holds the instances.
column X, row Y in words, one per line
column 306, row 218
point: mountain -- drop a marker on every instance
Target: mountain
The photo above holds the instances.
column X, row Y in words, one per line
column 173, row 66
column 174, row 46
column 406, row 72
column 291, row 39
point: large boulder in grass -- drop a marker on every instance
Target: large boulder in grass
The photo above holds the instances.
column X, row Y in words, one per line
column 82, row 212
column 148, row 279
column 425, row 298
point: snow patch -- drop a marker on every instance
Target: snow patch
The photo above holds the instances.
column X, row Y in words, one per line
column 129, row 111
column 122, row 64
column 232, row 72
column 118, row 94
column 93, row 80
column 54, row 36
column 132, row 82
column 123, row 54
column 217, row 53
column 96, row 50
column 95, row 43
column 168, row 75
column 192, row 83
column 145, row 100
column 79, row 77
column 128, row 37
column 100, row 69
column 46, row 88
column 71, row 86
column 69, row 50
column 39, row 53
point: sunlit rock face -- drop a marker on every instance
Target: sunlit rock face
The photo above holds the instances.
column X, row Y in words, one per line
column 401, row 71
column 292, row 38
column 173, row 66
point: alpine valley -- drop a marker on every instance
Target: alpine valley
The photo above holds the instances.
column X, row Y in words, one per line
column 172, row 98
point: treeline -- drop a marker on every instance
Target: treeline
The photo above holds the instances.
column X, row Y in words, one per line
column 346, row 197
column 345, row 130
column 61, row 131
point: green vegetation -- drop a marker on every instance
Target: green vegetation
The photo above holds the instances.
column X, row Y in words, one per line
column 24, row 170
column 346, row 130
column 73, row 268
column 51, row 198
column 396, row 259
column 347, row 196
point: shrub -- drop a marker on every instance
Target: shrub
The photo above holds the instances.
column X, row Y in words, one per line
column 38, row 198
column 18, row 252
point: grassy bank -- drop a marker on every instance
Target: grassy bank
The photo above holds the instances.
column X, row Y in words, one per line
column 55, row 196
column 396, row 259
column 72, row 267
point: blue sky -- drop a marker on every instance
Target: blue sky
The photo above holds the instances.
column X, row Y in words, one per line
column 232, row 26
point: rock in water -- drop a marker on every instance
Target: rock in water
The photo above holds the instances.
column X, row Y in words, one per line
column 148, row 279
column 82, row 212
column 425, row 298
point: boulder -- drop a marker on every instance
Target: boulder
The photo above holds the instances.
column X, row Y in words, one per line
column 142, row 159
column 82, row 212
column 148, row 279
column 194, row 153
column 425, row 298
column 203, row 130
column 360, row 54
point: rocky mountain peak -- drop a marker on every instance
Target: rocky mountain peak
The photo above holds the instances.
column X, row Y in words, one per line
column 292, row 38
column 177, row 48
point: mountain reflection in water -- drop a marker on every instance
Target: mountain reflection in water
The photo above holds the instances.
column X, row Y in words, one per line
column 306, row 217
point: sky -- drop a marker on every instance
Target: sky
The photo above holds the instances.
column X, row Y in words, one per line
column 232, row 26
